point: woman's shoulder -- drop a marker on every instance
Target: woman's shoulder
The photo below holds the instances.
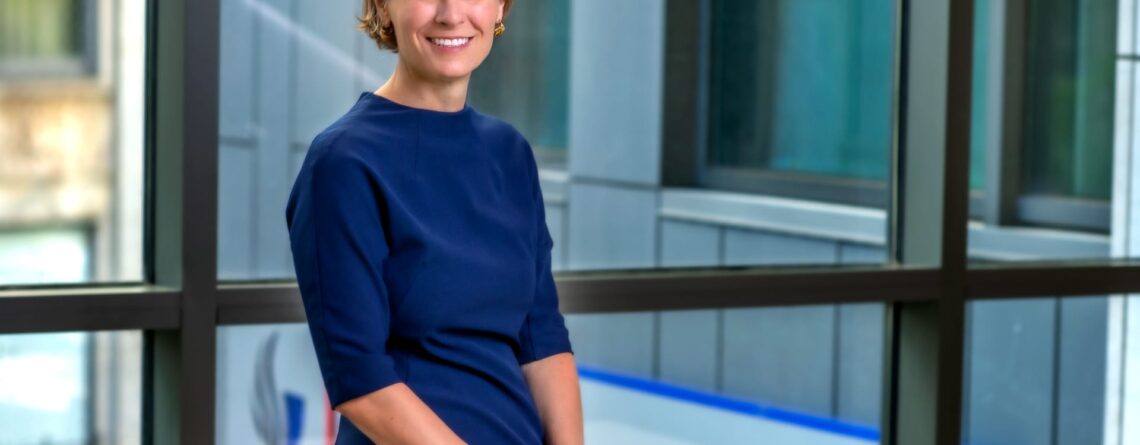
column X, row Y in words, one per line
column 491, row 125
column 356, row 134
column 345, row 151
column 504, row 136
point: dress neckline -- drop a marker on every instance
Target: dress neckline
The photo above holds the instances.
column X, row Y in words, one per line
column 381, row 100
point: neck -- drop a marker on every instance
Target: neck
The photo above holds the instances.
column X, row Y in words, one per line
column 408, row 88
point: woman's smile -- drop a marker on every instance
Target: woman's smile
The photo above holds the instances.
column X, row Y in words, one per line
column 449, row 44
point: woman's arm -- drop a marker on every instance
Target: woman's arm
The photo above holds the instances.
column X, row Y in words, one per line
column 554, row 383
column 396, row 415
column 340, row 248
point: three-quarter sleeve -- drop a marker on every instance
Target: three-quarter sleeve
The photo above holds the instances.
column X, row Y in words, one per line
column 543, row 332
column 339, row 247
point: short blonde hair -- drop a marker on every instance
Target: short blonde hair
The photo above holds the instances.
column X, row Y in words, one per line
column 369, row 22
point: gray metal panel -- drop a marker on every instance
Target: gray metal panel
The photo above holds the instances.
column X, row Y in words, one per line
column 689, row 244
column 615, row 114
column 859, row 369
column 781, row 356
column 1081, row 383
column 688, row 348
column 745, row 247
column 1009, row 389
column 620, row 342
column 611, row 227
column 235, row 225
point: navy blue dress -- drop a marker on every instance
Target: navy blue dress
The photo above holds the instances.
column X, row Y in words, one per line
column 422, row 255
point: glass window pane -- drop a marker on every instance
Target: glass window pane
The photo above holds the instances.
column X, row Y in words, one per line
column 269, row 387
column 806, row 374
column 523, row 80
column 1071, row 54
column 267, row 119
column 803, row 87
column 1051, row 139
column 800, row 126
column 37, row 35
column 803, row 374
column 71, row 388
column 288, row 69
column 1052, row 370
column 71, row 143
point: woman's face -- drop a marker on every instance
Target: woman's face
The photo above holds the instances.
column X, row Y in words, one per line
column 444, row 39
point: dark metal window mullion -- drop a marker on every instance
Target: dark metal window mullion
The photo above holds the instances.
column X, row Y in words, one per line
column 180, row 371
column 922, row 389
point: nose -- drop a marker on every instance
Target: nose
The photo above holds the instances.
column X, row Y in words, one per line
column 449, row 12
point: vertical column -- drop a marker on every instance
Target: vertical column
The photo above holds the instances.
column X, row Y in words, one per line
column 615, row 128
column 923, row 378
column 1122, row 376
column 180, row 364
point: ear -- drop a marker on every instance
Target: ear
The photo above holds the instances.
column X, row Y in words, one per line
column 382, row 7
column 502, row 3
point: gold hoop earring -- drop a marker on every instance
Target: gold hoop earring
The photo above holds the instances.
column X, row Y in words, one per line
column 500, row 28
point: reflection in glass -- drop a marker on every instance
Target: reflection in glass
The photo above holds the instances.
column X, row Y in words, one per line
column 270, row 388
column 1051, row 132
column 71, row 140
column 523, row 80
column 1052, row 370
column 71, row 388
column 806, row 374
column 803, row 86
column 289, row 68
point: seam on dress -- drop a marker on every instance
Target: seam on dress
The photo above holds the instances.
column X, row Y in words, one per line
column 335, row 368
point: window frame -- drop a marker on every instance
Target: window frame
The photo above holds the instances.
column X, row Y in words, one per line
column 1003, row 173
column 80, row 66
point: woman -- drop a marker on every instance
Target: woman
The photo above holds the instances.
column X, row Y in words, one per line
column 422, row 252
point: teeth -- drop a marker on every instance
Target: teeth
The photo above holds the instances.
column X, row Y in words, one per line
column 450, row 42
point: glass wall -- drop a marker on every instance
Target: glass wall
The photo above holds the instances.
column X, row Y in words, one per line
column 289, row 68
column 269, row 387
column 1047, row 370
column 71, row 140
column 525, row 78
column 71, row 388
column 1050, row 147
column 266, row 121
column 799, row 374
column 692, row 376
column 803, row 87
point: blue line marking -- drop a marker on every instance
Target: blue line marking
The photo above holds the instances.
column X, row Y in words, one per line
column 729, row 403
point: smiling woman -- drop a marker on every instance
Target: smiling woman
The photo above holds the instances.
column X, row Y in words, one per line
column 419, row 239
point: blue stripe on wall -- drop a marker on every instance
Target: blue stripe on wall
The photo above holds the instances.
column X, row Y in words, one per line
column 728, row 403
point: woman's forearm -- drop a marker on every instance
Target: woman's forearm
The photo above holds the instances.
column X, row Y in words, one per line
column 553, row 382
column 396, row 415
